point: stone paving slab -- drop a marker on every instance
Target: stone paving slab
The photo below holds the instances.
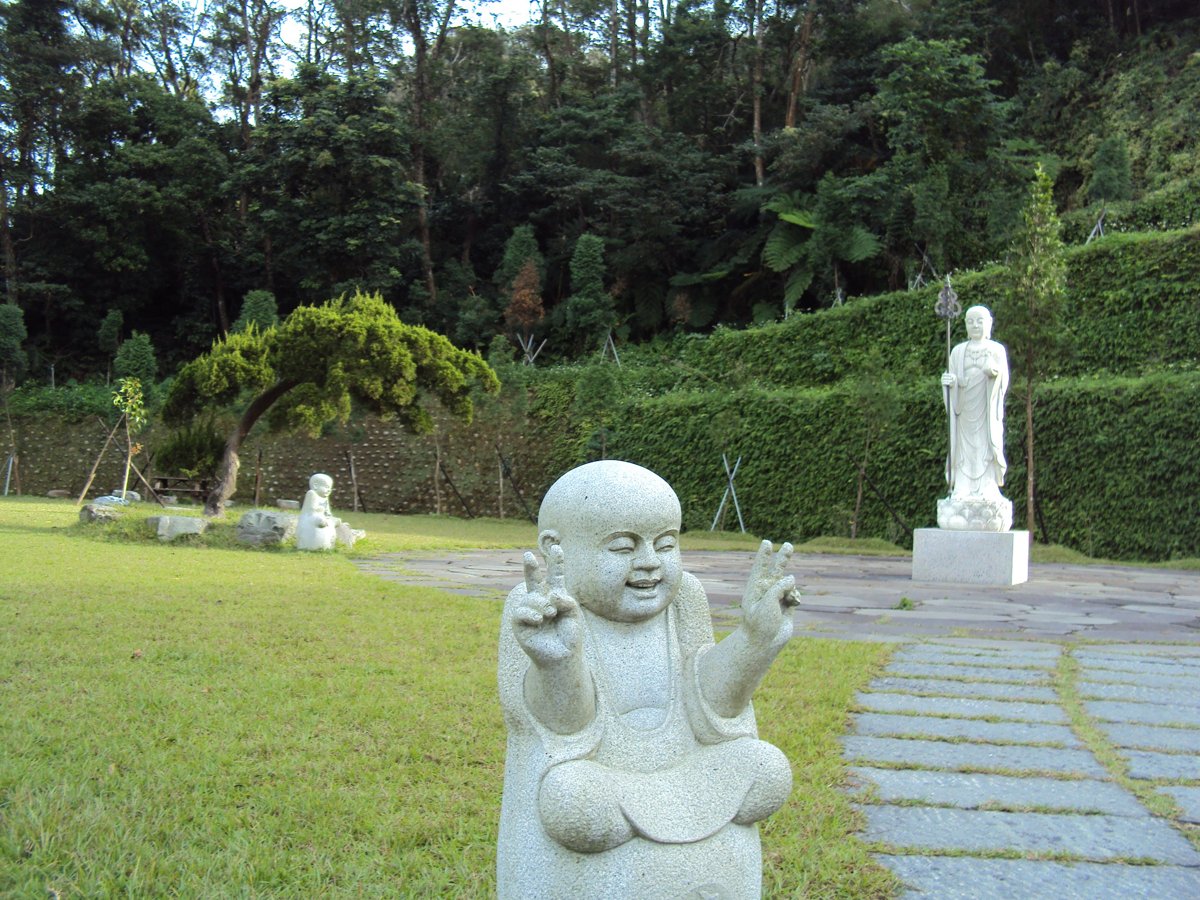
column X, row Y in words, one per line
column 1088, row 837
column 965, row 689
column 1144, row 679
column 1179, row 652
column 1094, row 690
column 1141, row 713
column 1188, row 799
column 926, row 653
column 970, row 791
column 1174, row 766
column 964, row 878
column 1148, row 667
column 963, row 707
column 997, row 647
column 984, row 673
column 947, row 755
column 1181, row 740
column 887, row 725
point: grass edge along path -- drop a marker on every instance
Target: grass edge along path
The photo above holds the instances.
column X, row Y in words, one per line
column 209, row 721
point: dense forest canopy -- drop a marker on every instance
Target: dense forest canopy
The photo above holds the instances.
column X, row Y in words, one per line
column 726, row 161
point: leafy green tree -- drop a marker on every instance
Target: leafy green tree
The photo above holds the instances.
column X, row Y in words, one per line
column 39, row 77
column 947, row 129
column 330, row 201
column 316, row 365
column 1111, row 179
column 258, row 309
column 136, row 359
column 136, row 218
column 589, row 310
column 1031, row 312
column 129, row 399
column 12, row 335
column 12, row 359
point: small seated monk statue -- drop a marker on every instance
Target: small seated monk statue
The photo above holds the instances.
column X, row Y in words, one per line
column 317, row 527
column 634, row 768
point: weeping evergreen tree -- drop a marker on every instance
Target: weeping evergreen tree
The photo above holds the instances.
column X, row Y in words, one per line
column 1031, row 311
column 316, row 366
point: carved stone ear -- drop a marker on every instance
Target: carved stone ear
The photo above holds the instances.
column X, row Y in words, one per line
column 546, row 540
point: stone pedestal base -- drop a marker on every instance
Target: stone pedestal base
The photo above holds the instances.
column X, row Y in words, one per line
column 971, row 557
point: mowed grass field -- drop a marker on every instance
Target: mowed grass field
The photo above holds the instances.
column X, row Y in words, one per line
column 211, row 721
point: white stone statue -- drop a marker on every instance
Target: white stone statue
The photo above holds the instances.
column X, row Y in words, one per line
column 974, row 389
column 317, row 527
column 634, row 769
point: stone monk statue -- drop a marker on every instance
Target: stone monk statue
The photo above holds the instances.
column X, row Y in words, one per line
column 975, row 385
column 634, row 768
column 317, row 528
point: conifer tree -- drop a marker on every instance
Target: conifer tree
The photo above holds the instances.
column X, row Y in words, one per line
column 1031, row 311
column 589, row 313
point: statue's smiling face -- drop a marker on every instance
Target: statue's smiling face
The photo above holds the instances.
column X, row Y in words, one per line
column 618, row 526
column 627, row 573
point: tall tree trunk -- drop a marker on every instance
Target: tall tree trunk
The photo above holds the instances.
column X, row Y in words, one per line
column 548, row 53
column 230, row 461
column 800, row 65
column 756, row 18
column 614, row 29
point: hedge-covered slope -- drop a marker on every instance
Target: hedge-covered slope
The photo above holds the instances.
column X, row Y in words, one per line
column 1116, row 459
column 1133, row 306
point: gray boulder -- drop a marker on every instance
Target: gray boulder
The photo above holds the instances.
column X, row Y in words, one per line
column 95, row 512
column 263, row 527
column 169, row 528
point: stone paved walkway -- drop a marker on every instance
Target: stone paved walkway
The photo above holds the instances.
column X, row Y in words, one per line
column 997, row 756
column 973, row 783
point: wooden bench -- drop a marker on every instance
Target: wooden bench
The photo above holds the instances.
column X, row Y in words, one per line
column 183, row 486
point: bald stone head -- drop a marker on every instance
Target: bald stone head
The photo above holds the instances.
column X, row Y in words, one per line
column 978, row 320
column 618, row 526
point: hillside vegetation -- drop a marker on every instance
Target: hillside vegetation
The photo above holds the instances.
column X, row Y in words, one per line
column 808, row 402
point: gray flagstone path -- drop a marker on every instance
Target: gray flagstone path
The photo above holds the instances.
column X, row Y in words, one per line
column 962, row 757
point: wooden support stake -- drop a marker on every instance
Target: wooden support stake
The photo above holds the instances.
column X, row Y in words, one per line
column 358, row 500
column 258, row 478
column 446, row 475
column 507, row 469
column 96, row 465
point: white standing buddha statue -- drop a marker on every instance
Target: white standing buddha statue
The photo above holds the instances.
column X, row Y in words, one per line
column 974, row 389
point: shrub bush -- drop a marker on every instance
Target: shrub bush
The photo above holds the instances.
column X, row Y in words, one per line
column 1116, row 460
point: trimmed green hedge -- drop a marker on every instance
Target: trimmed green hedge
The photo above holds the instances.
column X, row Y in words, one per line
column 1116, row 460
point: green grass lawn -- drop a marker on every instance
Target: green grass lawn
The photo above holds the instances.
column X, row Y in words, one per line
column 205, row 721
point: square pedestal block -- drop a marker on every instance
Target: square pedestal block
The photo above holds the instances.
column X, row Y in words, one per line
column 970, row 557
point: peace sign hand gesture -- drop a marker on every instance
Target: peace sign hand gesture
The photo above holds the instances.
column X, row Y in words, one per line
column 546, row 620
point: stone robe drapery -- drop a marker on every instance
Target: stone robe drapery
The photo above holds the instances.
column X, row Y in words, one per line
column 680, row 784
column 976, row 463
